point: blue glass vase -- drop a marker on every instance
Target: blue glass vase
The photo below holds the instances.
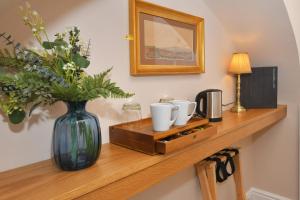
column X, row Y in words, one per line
column 76, row 138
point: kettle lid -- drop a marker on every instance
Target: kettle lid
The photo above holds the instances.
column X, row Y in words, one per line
column 212, row 90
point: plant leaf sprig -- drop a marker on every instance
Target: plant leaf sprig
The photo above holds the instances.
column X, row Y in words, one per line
column 55, row 72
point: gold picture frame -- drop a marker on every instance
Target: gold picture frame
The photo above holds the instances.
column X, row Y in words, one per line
column 164, row 41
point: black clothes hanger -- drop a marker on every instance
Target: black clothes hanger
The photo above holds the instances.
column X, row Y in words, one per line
column 229, row 163
column 226, row 168
column 221, row 173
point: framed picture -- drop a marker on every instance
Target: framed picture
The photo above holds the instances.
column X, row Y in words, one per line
column 164, row 41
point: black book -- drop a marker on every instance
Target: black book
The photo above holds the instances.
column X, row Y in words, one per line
column 259, row 89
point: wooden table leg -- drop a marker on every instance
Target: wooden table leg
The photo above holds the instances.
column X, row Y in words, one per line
column 240, row 194
column 212, row 181
column 201, row 173
column 206, row 172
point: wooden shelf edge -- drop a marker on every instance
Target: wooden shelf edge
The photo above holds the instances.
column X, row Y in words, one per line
column 127, row 169
column 131, row 185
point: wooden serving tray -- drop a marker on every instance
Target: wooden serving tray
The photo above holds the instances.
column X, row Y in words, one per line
column 139, row 135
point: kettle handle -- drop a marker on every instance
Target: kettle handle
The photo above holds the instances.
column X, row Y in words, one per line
column 203, row 110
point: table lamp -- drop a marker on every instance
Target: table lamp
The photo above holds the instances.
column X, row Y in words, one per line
column 240, row 64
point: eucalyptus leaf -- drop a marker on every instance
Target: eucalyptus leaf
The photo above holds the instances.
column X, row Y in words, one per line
column 60, row 42
column 57, row 43
column 48, row 45
column 60, row 52
column 80, row 61
column 60, row 63
column 17, row 116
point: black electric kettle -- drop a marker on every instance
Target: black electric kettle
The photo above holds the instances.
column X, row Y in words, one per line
column 209, row 104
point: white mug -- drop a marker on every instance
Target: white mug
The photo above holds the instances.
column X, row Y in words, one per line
column 183, row 115
column 163, row 115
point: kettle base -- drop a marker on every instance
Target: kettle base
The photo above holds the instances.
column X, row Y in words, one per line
column 215, row 119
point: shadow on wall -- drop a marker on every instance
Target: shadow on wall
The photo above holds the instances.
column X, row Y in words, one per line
column 41, row 114
column 174, row 188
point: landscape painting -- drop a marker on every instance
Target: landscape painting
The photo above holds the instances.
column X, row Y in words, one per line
column 166, row 42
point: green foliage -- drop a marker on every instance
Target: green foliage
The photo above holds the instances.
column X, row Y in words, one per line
column 48, row 45
column 17, row 116
column 80, row 61
column 9, row 62
column 51, row 45
column 89, row 88
column 29, row 78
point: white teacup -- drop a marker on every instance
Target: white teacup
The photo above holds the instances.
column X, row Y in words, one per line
column 163, row 115
column 183, row 112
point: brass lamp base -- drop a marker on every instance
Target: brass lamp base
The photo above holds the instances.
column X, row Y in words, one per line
column 238, row 108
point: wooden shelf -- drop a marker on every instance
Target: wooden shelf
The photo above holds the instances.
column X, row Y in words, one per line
column 121, row 173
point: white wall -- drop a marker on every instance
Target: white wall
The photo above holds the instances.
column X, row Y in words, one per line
column 262, row 28
column 106, row 23
column 257, row 26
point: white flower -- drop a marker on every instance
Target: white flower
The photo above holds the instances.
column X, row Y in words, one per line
column 69, row 66
column 65, row 67
column 35, row 13
column 35, row 49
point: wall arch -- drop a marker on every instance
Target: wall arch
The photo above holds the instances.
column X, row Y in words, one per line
column 263, row 28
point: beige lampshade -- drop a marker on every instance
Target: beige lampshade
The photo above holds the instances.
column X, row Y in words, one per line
column 240, row 64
